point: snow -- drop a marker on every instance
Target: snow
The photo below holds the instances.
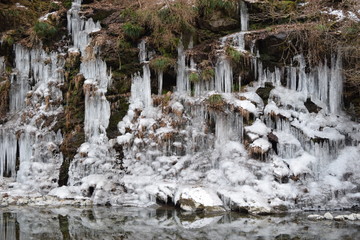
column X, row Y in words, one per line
column 258, row 127
column 200, row 196
column 261, row 143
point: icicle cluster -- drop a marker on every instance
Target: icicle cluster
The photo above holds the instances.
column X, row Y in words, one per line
column 79, row 28
column 141, row 85
column 35, row 68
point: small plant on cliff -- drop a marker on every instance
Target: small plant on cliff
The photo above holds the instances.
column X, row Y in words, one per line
column 161, row 63
column 194, row 77
column 45, row 30
column 215, row 100
column 132, row 31
column 207, row 7
column 166, row 23
column 233, row 54
column 207, row 73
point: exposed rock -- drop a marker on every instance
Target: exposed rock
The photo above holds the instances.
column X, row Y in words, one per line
column 339, row 218
column 351, row 217
column 311, row 106
column 264, row 92
column 315, row 217
column 199, row 199
column 218, row 22
column 328, row 216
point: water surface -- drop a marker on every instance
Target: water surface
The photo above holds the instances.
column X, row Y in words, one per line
column 23, row 223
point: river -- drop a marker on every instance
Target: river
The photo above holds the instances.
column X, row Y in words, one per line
column 23, row 223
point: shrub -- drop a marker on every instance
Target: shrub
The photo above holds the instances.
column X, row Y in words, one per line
column 166, row 24
column 207, row 7
column 45, row 30
column 161, row 63
column 207, row 73
column 233, row 54
column 132, row 31
column 194, row 77
column 215, row 99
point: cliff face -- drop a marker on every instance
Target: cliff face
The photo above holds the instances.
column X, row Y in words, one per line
column 128, row 102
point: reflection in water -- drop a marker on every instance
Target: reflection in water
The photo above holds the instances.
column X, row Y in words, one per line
column 23, row 223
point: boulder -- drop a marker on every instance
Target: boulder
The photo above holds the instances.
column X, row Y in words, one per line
column 311, row 106
column 339, row 218
column 328, row 216
column 315, row 217
column 198, row 199
column 351, row 217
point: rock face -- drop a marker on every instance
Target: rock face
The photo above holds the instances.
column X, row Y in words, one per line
column 199, row 199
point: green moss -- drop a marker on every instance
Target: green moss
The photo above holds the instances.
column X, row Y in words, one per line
column 234, row 55
column 67, row 4
column 54, row 7
column 72, row 123
column 9, row 40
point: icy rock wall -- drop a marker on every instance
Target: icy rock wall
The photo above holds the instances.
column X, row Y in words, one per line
column 323, row 84
column 95, row 166
column 97, row 108
column 199, row 138
column 223, row 75
column 34, row 93
column 97, row 77
column 80, row 28
column 36, row 69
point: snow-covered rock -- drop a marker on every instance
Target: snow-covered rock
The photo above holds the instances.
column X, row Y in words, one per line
column 199, row 199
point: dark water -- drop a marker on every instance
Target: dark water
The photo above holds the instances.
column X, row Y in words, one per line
column 129, row 223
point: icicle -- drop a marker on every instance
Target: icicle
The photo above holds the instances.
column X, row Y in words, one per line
column 2, row 65
column 244, row 16
column 147, row 86
column 160, row 75
column 97, row 108
column 181, row 78
column 97, row 114
column 8, row 149
column 336, row 84
column 241, row 41
column 223, row 75
column 79, row 28
column 228, row 127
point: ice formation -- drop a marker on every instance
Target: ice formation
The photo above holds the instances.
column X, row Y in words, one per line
column 253, row 155
column 202, row 139
column 244, row 16
column 29, row 151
